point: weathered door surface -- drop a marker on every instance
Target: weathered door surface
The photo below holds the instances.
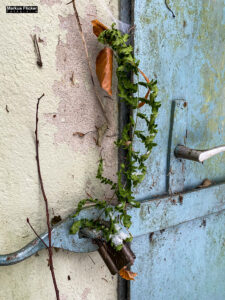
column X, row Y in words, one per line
column 180, row 246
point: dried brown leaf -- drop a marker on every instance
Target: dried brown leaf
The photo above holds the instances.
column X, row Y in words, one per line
column 98, row 27
column 126, row 274
column 104, row 66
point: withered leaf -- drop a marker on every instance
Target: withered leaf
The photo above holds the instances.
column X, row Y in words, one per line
column 104, row 66
column 98, row 27
column 147, row 94
column 126, row 274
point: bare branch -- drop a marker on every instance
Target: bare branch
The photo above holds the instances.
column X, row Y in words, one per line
column 50, row 254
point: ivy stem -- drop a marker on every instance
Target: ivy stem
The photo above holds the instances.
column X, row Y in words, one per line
column 50, row 254
column 133, row 167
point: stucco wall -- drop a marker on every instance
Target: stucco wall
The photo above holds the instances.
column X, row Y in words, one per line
column 68, row 162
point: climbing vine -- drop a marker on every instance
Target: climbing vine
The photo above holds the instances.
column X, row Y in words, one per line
column 113, row 219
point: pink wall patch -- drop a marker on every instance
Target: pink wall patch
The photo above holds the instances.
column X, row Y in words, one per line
column 78, row 110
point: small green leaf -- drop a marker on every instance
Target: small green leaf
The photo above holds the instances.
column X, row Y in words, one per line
column 129, row 239
column 127, row 221
column 119, row 247
column 75, row 227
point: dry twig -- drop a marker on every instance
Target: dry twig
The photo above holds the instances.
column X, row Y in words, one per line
column 50, row 254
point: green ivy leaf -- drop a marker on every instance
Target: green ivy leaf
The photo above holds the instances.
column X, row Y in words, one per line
column 127, row 220
column 75, row 227
column 119, row 247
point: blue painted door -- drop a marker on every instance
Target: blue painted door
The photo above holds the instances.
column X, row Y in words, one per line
column 180, row 228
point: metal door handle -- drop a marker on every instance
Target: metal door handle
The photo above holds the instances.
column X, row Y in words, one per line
column 60, row 239
column 184, row 152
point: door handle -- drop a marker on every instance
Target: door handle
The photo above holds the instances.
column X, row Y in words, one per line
column 184, row 152
column 87, row 240
column 60, row 239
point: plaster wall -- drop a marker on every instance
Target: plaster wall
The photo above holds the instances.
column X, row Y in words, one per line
column 68, row 162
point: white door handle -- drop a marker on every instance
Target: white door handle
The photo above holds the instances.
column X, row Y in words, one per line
column 197, row 155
